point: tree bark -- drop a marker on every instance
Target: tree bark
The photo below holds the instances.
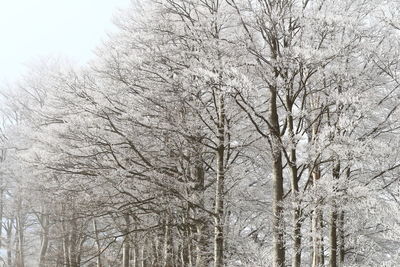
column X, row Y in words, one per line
column 167, row 250
column 318, row 257
column 97, row 240
column 66, row 247
column 127, row 242
column 333, row 238
column 333, row 221
column 200, row 218
column 1, row 209
column 342, row 239
column 143, row 256
column 20, row 260
column 277, row 181
column 135, row 251
column 9, row 228
column 125, row 252
column 296, row 236
column 44, row 221
column 73, row 240
column 185, row 249
column 219, row 191
column 200, row 245
column 2, row 187
column 341, row 230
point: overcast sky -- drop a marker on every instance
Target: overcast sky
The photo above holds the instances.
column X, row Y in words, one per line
column 30, row 29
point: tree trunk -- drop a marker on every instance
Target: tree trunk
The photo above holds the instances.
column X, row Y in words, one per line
column 9, row 228
column 342, row 239
column 185, row 256
column 296, row 236
column 66, row 247
column 81, row 240
column 333, row 238
column 2, row 187
column 66, row 239
column 126, row 252
column 16, row 259
column 318, row 258
column 44, row 222
column 1, row 209
column 200, row 245
column 167, row 250
column 318, row 246
column 296, row 260
column 321, row 227
column 59, row 257
column 73, row 240
column 277, row 181
column 143, row 256
column 219, row 191
column 341, row 230
column 127, row 243
column 20, row 260
column 189, row 248
column 136, row 255
column 97, row 240
column 157, row 253
column 333, row 222
column 200, row 218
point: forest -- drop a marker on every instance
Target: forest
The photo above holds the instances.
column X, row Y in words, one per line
column 238, row 133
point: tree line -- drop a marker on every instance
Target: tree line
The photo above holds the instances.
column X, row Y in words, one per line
column 211, row 133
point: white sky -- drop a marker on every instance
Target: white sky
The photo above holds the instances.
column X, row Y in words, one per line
column 30, row 29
